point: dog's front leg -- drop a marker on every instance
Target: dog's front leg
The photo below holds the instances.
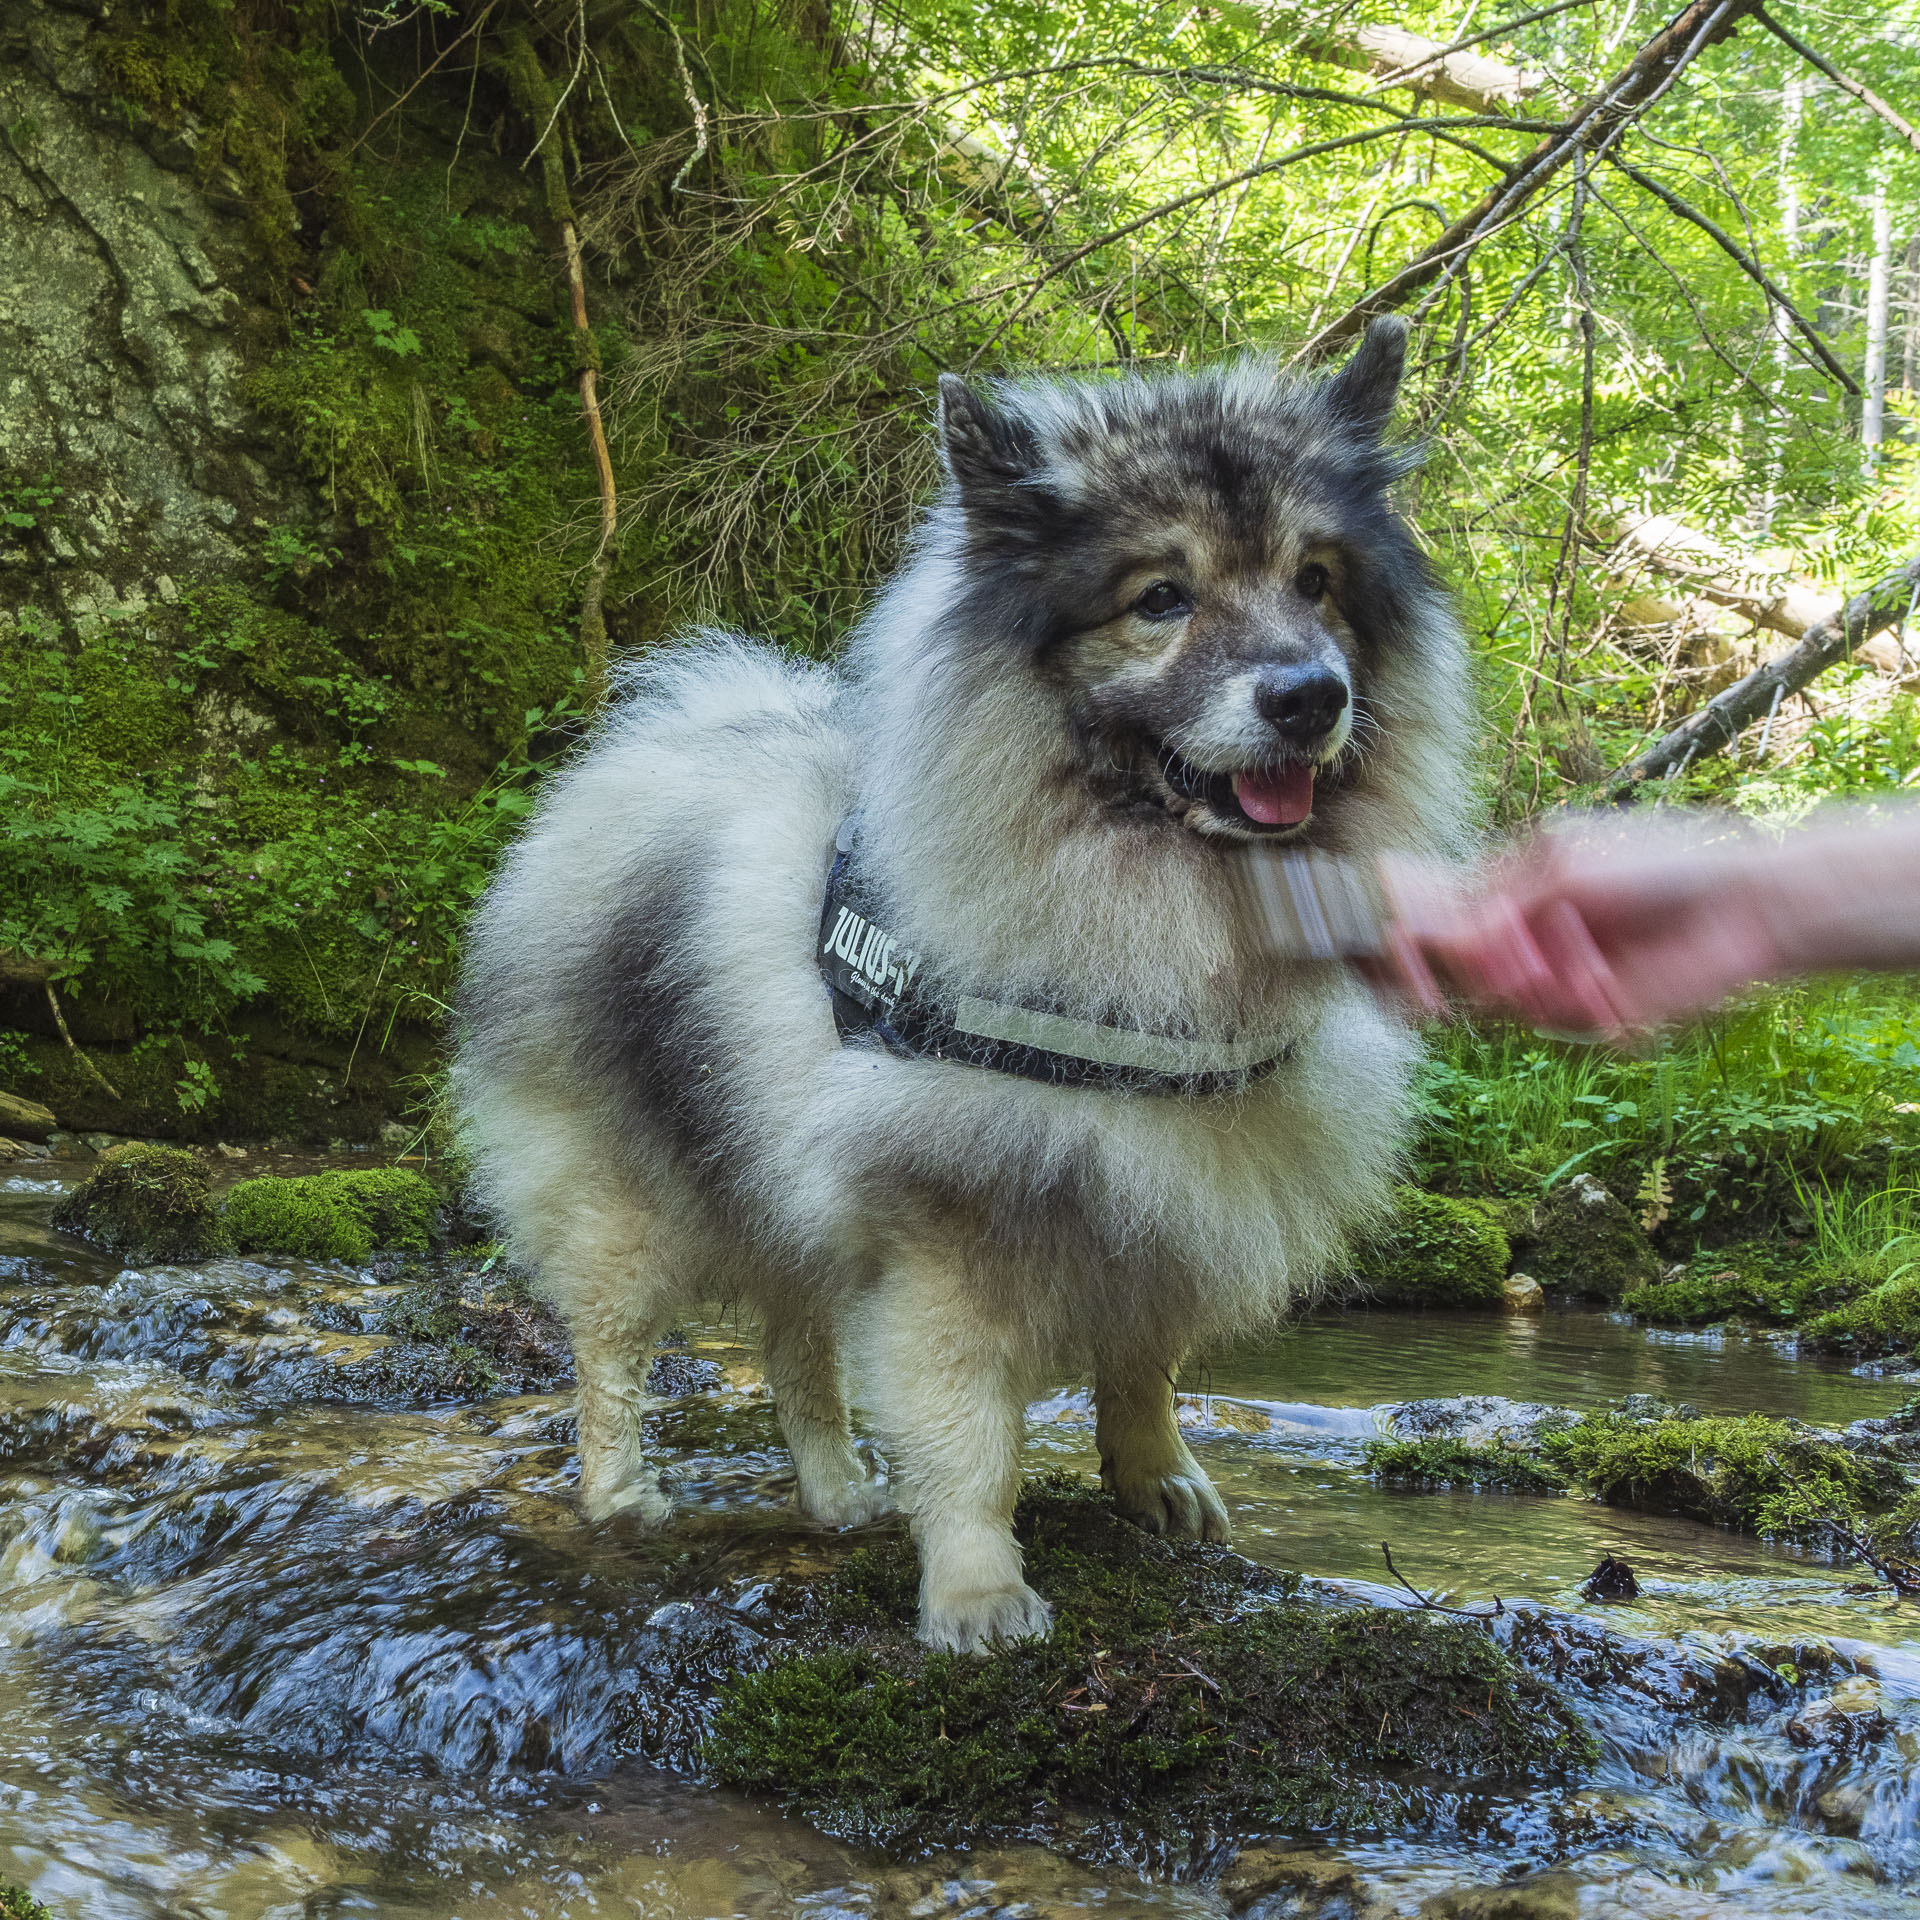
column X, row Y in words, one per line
column 1144, row 1464
column 948, row 1391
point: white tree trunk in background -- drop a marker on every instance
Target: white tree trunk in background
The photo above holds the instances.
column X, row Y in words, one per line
column 1873, row 416
column 1910, row 378
column 1791, row 98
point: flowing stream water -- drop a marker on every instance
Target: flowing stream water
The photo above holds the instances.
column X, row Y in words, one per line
column 271, row 1645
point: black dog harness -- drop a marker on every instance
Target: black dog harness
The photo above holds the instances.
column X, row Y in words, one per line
column 874, row 979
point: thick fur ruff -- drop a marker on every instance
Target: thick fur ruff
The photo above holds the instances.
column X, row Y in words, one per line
column 650, row 1086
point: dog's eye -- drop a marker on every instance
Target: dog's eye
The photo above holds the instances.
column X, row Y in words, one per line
column 1310, row 582
column 1161, row 601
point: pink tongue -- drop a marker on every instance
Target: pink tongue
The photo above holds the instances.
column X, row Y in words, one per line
column 1281, row 799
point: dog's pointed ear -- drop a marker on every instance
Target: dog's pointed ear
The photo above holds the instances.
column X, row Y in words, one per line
column 1363, row 391
column 985, row 447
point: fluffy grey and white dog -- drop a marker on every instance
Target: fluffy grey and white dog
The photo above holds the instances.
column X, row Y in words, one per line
column 1146, row 622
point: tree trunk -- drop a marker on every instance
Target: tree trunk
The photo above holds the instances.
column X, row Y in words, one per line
column 1717, row 725
column 1910, row 375
column 1792, row 96
column 1397, row 58
column 1873, row 414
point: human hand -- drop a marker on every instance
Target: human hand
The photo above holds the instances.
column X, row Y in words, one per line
column 1606, row 926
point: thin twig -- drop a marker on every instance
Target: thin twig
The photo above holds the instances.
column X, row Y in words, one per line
column 1430, row 1605
column 1901, row 1574
column 60, row 1021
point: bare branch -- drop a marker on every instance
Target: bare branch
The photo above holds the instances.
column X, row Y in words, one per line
column 1865, row 95
column 1743, row 260
column 1592, row 126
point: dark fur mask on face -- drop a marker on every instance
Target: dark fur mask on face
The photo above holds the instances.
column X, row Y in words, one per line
column 1178, row 557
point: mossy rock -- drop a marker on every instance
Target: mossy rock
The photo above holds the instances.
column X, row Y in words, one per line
column 1581, row 1241
column 1439, row 1252
column 333, row 1216
column 16, row 1904
column 1440, row 1463
column 468, row 1331
column 145, row 1203
column 1749, row 1281
column 1747, row 1472
column 1182, row 1691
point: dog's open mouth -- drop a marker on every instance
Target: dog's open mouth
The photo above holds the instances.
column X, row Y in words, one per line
column 1263, row 800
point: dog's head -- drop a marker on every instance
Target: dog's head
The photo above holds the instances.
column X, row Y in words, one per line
column 1204, row 567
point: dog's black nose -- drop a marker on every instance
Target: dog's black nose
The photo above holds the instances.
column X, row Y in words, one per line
column 1300, row 703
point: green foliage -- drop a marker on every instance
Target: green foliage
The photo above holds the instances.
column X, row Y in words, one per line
column 291, row 787
column 1787, row 1087
column 17, row 1904
column 1437, row 1463
column 145, row 1203
column 333, row 1216
column 1439, row 1252
column 1751, row 1473
column 1853, row 1290
column 1176, row 1691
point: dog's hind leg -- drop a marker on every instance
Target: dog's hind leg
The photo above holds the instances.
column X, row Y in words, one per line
column 1144, row 1464
column 948, row 1390
column 803, row 1369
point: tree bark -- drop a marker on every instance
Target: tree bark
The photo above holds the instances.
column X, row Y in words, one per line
column 1792, row 100
column 1718, row 724
column 1593, row 122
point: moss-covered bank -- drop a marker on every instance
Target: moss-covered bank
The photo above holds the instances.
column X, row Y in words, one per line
column 1747, row 1472
column 1865, row 1307
column 1183, row 1692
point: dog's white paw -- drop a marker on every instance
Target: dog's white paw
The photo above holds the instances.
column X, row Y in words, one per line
column 1182, row 1504
column 971, row 1622
column 846, row 1503
column 642, row 1503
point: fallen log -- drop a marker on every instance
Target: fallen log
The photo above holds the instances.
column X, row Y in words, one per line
column 1715, row 573
column 1710, row 729
column 1452, row 76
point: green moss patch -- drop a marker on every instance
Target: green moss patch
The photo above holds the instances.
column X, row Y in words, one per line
column 1439, row 1252
column 145, row 1203
column 1434, row 1464
column 1883, row 1319
column 333, row 1216
column 1751, row 1473
column 1182, row 1690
